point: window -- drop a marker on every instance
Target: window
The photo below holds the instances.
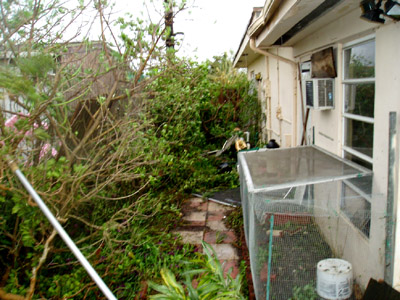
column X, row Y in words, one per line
column 356, row 203
column 359, row 98
column 358, row 129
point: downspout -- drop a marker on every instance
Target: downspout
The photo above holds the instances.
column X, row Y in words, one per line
column 268, row 94
column 294, row 64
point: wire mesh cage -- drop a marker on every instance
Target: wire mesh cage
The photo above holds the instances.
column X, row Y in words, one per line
column 300, row 205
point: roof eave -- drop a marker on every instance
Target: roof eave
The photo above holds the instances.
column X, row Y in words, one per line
column 254, row 28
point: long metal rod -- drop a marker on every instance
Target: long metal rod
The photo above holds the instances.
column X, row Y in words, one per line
column 390, row 217
column 64, row 235
column 271, row 239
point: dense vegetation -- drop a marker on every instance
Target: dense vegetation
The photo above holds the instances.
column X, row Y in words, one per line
column 112, row 147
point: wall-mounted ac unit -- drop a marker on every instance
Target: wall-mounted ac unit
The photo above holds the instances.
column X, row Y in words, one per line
column 320, row 93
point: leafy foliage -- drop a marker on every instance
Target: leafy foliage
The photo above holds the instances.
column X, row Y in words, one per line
column 306, row 292
column 208, row 273
column 191, row 119
column 112, row 147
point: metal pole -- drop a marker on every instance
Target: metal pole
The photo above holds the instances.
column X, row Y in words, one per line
column 271, row 238
column 390, row 214
column 64, row 235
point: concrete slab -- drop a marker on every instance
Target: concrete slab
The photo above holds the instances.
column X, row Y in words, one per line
column 225, row 251
column 216, row 225
column 195, row 216
column 216, row 208
column 212, row 217
column 195, row 204
column 217, row 237
column 190, row 237
column 204, row 220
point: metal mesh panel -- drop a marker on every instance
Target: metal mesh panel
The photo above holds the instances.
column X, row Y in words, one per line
column 299, row 206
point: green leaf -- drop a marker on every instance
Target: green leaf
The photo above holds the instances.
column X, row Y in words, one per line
column 15, row 209
column 41, row 134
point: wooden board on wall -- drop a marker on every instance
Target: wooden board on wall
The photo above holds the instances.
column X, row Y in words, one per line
column 323, row 64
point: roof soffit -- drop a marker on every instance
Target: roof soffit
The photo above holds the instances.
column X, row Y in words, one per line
column 344, row 8
column 279, row 17
column 288, row 14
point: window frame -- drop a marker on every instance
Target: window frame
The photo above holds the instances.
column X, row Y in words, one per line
column 347, row 116
column 362, row 195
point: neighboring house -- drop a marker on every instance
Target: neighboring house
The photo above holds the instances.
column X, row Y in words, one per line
column 88, row 79
column 320, row 67
column 93, row 83
column 89, row 57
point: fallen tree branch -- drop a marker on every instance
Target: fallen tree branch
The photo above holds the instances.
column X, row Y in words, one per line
column 7, row 296
column 39, row 265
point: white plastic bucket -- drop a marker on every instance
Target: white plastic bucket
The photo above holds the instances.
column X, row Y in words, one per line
column 334, row 279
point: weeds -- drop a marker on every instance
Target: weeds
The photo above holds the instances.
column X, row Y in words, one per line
column 208, row 273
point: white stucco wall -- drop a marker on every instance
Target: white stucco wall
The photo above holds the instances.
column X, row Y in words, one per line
column 280, row 92
column 387, row 99
column 366, row 254
column 259, row 66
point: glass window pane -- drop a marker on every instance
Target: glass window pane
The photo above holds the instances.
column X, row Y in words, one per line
column 358, row 160
column 363, row 185
column 360, row 61
column 360, row 99
column 359, row 136
column 357, row 209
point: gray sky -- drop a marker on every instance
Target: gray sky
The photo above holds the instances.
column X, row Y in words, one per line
column 215, row 26
column 210, row 27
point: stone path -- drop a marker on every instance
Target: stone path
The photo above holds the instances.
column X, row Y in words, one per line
column 204, row 221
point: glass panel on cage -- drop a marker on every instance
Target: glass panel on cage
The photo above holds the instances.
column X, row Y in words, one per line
column 273, row 168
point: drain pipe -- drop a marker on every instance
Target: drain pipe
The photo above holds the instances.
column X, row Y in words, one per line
column 294, row 64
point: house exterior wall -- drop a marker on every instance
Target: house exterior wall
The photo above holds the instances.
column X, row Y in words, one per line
column 367, row 255
column 259, row 66
column 279, row 94
column 325, row 127
column 387, row 100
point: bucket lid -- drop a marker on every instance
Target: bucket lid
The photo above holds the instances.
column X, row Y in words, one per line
column 334, row 266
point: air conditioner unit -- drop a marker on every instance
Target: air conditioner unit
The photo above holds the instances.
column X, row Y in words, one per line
column 320, row 93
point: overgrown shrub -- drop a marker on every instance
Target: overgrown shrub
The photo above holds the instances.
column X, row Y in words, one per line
column 112, row 161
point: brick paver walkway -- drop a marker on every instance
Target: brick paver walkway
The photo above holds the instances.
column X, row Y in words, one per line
column 204, row 220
